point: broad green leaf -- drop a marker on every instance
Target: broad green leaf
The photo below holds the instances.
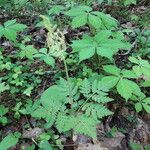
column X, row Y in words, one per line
column 27, row 51
column 128, row 74
column 78, row 45
column 78, row 11
column 110, row 81
column 49, row 60
column 54, row 93
column 134, row 60
column 8, row 142
column 105, row 52
column 112, row 70
column 146, row 100
column 56, row 9
column 10, row 34
column 138, row 107
column 103, row 43
column 142, row 67
column 94, row 21
column 44, row 145
column 135, row 88
column 3, row 87
column 108, row 22
column 101, row 35
column 124, row 89
column 129, row 2
column 9, row 23
column 3, row 110
column 146, row 71
column 18, row 27
column 137, row 70
column 86, row 53
column 146, row 107
column 146, row 83
column 11, row 28
column 79, row 21
column 135, row 146
column 127, row 87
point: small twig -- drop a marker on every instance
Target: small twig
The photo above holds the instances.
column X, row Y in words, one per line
column 34, row 141
column 133, row 44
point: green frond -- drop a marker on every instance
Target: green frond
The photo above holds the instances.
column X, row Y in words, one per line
column 80, row 124
column 101, row 99
column 96, row 111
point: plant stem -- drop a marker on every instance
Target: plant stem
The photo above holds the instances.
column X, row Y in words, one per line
column 66, row 69
column 67, row 76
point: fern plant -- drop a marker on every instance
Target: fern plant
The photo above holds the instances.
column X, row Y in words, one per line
column 96, row 96
column 105, row 43
column 83, row 15
column 54, row 101
column 61, row 105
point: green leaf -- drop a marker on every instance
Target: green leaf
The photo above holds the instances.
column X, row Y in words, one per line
column 108, row 22
column 146, row 71
column 3, row 110
column 128, row 74
column 44, row 55
column 142, row 67
column 102, row 42
column 55, row 10
column 134, row 60
column 101, row 35
column 86, row 53
column 79, row 21
column 105, row 52
column 81, row 10
column 9, row 141
column 28, row 91
column 49, row 60
column 27, row 51
column 146, row 100
column 81, row 124
column 44, row 145
column 138, row 107
column 146, row 84
column 3, row 87
column 94, row 21
column 129, row 2
column 96, row 111
column 110, row 81
column 10, row 34
column 9, row 23
column 124, row 89
column 146, row 107
column 135, row 146
column 112, row 70
column 18, row 27
column 137, row 70
column 11, row 28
